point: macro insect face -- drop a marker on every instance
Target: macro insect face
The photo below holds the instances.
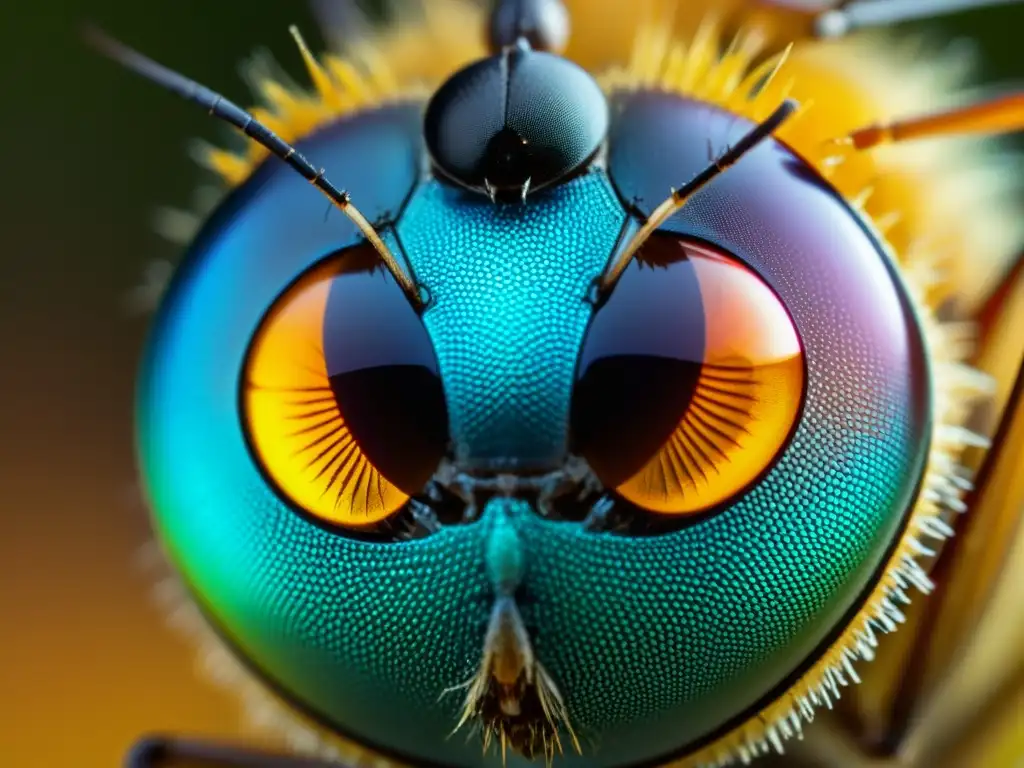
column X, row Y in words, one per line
column 530, row 445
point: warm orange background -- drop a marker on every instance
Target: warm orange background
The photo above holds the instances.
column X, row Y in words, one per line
column 88, row 151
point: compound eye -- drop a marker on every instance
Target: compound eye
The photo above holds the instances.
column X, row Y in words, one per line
column 690, row 381
column 342, row 400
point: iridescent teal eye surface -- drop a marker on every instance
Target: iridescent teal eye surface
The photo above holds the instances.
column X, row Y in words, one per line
column 656, row 642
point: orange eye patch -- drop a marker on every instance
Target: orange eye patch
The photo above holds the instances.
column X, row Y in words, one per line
column 341, row 397
column 690, row 382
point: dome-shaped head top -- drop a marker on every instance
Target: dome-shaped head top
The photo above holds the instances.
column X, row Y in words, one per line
column 544, row 24
column 515, row 122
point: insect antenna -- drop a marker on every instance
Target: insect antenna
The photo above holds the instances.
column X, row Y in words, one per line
column 681, row 196
column 1001, row 114
column 864, row 14
column 226, row 110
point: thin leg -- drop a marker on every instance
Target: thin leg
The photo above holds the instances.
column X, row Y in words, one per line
column 170, row 752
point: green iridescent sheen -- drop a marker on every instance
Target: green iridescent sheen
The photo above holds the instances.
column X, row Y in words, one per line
column 655, row 642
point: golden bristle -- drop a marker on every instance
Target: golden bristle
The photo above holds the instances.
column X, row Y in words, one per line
column 232, row 168
column 326, row 89
column 701, row 55
column 353, row 90
column 758, row 78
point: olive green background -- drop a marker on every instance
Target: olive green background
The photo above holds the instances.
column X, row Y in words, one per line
column 89, row 151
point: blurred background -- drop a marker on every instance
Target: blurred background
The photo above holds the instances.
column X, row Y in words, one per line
column 89, row 152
